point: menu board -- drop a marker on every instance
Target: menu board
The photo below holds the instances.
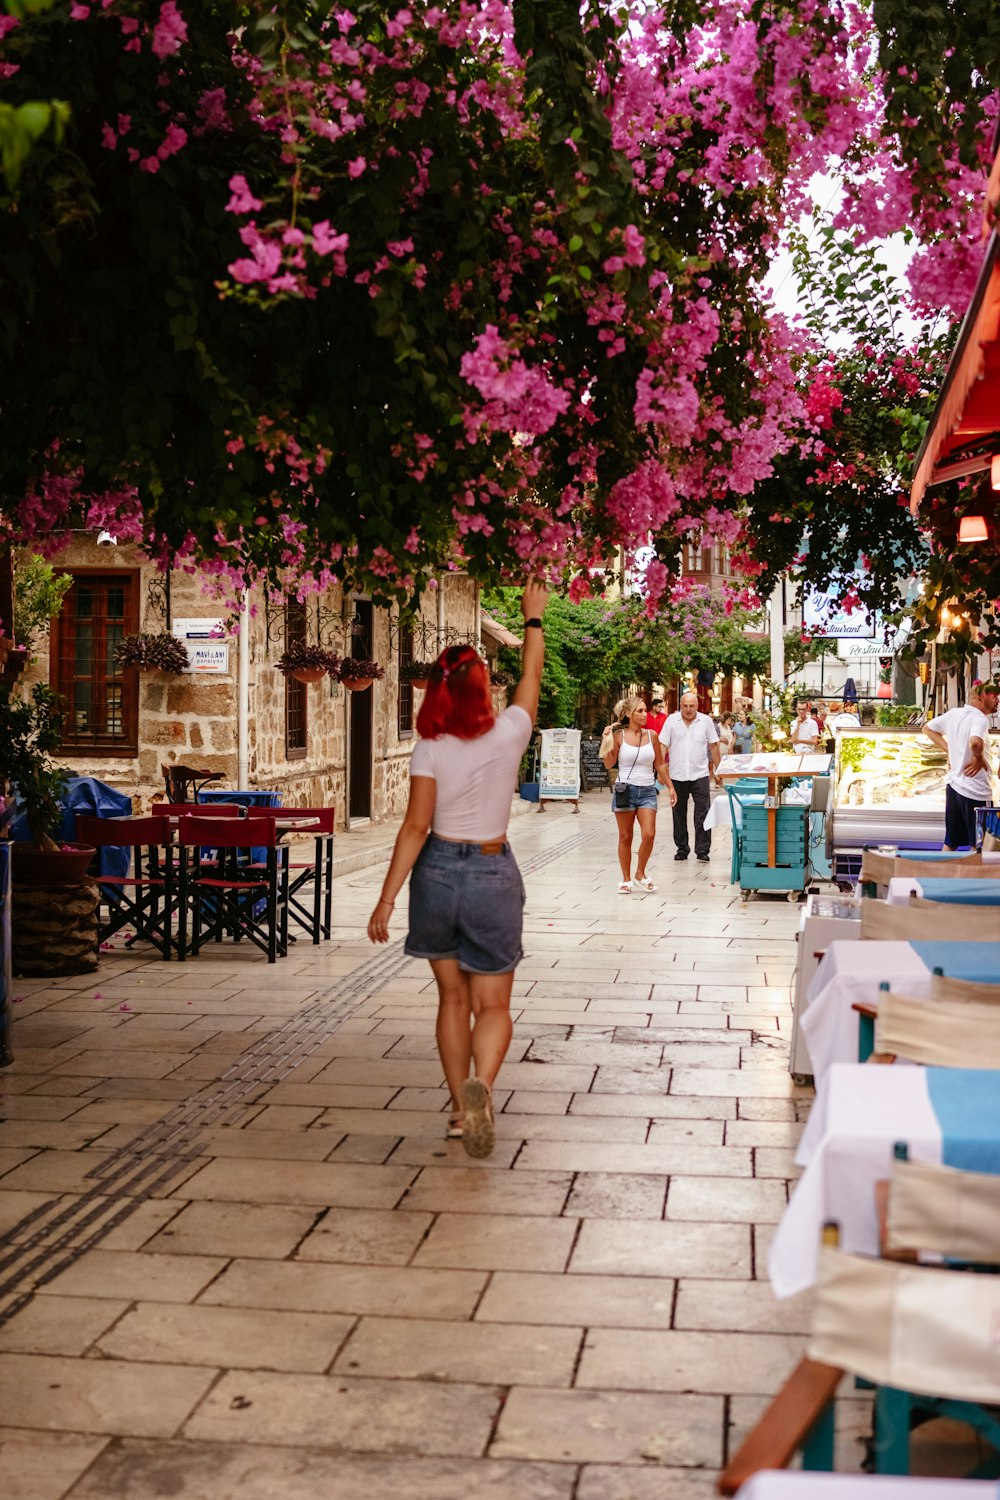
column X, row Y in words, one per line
column 592, row 768
column 560, row 769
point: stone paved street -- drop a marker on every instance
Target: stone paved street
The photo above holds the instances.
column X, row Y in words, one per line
column 263, row 1272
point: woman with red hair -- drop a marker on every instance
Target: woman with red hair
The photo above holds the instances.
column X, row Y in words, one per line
column 466, row 892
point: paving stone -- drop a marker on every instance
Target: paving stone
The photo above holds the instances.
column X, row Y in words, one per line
column 59, row 1325
column 322, row 1183
column 724, row 1200
column 233, row 1338
column 506, row 1242
column 132, row 1470
column 245, row 1229
column 750, row 1307
column 99, row 1396
column 624, row 1482
column 475, row 1191
column 580, row 1301
column 404, row 1292
column 121, row 1273
column 365, row 1236
column 730, row 1363
column 498, row 1355
column 692, row 1160
column 40, row 1466
column 616, row 1195
column 610, row 1426
column 651, row 1107
column 389, row 1416
column 644, row 1248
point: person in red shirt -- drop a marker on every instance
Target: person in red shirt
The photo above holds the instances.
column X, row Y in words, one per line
column 656, row 718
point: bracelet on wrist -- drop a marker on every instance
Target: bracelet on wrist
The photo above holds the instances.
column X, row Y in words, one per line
column 384, row 901
column 533, row 624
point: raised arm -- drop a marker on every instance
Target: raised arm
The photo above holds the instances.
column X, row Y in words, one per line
column 533, row 602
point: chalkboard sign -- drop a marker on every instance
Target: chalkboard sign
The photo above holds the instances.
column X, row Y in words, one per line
column 592, row 768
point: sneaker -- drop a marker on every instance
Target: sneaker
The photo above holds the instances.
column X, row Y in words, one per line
column 477, row 1121
column 678, row 855
column 703, row 859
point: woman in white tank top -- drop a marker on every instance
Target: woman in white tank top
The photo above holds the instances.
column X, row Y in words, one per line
column 466, row 892
column 638, row 754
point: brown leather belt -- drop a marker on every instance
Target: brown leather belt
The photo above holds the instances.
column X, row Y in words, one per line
column 494, row 846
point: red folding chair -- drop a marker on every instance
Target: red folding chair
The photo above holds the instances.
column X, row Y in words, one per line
column 221, row 894
column 317, row 916
column 143, row 900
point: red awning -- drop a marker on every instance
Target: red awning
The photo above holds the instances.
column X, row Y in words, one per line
column 964, row 432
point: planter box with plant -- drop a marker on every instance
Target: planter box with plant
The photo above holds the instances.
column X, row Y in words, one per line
column 153, row 653
column 357, row 673
column 54, row 910
column 308, row 663
column 417, row 673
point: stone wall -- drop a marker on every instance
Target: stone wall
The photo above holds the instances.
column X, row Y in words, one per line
column 192, row 720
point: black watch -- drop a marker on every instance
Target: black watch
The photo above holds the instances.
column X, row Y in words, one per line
column 534, row 624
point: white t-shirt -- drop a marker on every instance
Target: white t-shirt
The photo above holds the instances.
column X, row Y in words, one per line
column 475, row 778
column 805, row 733
column 687, row 745
column 958, row 726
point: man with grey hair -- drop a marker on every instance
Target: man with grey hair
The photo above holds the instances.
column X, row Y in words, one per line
column 692, row 745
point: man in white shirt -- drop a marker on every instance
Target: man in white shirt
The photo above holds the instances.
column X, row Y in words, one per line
column 691, row 742
column 805, row 731
column 962, row 733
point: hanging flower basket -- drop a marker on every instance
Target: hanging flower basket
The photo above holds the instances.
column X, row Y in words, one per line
column 308, row 663
column 153, row 653
column 417, row 673
column 357, row 674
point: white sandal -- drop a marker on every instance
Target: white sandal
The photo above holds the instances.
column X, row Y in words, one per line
column 625, row 888
column 645, row 882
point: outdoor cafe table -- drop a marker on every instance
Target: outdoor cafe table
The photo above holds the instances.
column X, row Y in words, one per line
column 960, row 892
column 849, row 973
column 798, row 1484
column 946, row 1116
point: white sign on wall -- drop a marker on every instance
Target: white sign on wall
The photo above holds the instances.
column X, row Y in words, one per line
column 205, row 640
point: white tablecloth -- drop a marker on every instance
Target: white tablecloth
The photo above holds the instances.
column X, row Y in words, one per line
column 719, row 815
column 796, row 1484
column 901, row 888
column 859, row 1114
column 849, row 973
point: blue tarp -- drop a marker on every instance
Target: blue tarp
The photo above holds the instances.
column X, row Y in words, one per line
column 85, row 794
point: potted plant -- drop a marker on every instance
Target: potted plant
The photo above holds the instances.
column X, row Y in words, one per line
column 357, row 673
column 153, row 653
column 34, row 784
column 308, row 663
column 417, row 673
column 501, row 677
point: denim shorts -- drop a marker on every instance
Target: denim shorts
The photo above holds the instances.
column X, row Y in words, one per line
column 466, row 905
column 638, row 796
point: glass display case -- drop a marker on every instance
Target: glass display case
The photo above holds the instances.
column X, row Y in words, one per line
column 888, row 788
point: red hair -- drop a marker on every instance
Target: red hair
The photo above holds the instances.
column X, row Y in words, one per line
column 458, row 700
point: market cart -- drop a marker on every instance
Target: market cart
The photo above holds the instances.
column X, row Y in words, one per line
column 773, row 839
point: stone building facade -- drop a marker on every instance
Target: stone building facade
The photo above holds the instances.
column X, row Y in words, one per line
column 316, row 745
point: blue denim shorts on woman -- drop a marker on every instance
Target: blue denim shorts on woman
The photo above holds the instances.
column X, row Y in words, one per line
column 466, row 905
column 638, row 796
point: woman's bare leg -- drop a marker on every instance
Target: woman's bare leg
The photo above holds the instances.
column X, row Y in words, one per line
column 647, row 834
column 454, row 1018
column 626, row 823
column 491, row 1025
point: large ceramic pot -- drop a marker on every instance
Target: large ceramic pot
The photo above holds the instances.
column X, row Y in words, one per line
column 309, row 674
column 48, row 867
